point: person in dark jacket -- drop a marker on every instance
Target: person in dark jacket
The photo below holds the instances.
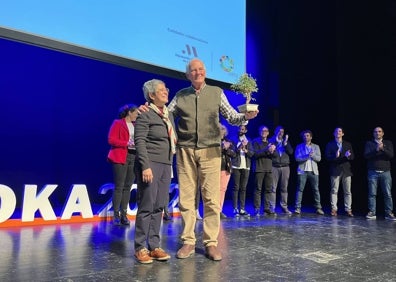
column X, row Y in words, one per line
column 155, row 141
column 241, row 164
column 281, row 167
column 339, row 153
column 263, row 152
column 378, row 152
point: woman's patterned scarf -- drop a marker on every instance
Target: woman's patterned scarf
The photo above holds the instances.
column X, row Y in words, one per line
column 164, row 114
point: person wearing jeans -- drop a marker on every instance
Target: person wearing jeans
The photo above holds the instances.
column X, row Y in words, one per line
column 378, row 152
column 307, row 156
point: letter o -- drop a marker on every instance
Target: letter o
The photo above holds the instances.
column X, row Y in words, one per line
column 8, row 202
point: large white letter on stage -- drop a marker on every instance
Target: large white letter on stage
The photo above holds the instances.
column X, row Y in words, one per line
column 33, row 202
column 7, row 202
column 78, row 201
column 37, row 204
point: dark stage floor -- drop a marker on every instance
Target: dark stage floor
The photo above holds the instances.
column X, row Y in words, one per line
column 308, row 247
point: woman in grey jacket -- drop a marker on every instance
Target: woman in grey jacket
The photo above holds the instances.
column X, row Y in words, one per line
column 155, row 141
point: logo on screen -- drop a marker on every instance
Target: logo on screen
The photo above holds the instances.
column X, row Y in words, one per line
column 190, row 50
column 227, row 63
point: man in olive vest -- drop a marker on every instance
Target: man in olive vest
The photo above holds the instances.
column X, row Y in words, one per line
column 197, row 112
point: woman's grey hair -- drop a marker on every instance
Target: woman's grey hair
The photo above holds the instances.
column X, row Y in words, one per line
column 150, row 87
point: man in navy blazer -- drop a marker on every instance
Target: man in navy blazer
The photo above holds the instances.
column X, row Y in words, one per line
column 339, row 154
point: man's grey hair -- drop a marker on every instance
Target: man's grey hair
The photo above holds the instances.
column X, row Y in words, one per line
column 189, row 63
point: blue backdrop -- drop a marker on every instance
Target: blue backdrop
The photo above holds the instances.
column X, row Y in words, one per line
column 56, row 110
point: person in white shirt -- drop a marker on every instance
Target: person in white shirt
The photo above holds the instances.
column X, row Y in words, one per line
column 307, row 156
column 241, row 170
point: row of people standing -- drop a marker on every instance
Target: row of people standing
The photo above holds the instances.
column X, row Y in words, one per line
column 270, row 160
column 198, row 158
column 270, row 157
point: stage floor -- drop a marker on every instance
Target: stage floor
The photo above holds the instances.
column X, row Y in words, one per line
column 308, row 247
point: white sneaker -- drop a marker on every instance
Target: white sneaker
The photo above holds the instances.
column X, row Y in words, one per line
column 371, row 215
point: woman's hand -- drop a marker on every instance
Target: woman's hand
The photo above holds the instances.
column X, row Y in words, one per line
column 147, row 175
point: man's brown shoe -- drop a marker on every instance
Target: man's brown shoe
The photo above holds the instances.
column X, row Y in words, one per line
column 185, row 251
column 213, row 253
column 143, row 256
column 349, row 213
column 159, row 254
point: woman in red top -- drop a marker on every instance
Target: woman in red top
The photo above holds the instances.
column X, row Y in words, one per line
column 122, row 156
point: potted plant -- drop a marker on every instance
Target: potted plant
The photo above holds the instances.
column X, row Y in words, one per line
column 246, row 85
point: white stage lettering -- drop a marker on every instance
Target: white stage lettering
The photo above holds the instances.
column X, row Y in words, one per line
column 38, row 203
column 33, row 202
column 78, row 202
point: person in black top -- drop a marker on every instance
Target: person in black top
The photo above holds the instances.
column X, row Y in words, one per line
column 281, row 167
column 155, row 142
column 122, row 156
column 378, row 153
column 263, row 152
column 339, row 153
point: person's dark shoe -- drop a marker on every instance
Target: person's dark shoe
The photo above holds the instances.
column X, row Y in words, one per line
column 186, row 251
column 124, row 219
column 213, row 253
column 116, row 218
column 390, row 216
column 269, row 212
column 297, row 211
column 222, row 216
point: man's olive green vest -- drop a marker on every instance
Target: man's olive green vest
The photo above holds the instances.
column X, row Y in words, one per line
column 197, row 117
